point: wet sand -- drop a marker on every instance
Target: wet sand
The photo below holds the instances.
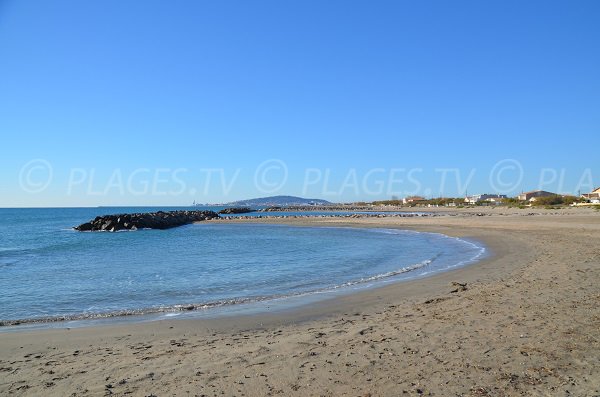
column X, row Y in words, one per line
column 525, row 321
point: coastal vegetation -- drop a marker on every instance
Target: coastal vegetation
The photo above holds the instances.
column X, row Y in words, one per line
column 555, row 200
column 511, row 201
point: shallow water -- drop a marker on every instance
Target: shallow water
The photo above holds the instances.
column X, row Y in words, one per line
column 49, row 271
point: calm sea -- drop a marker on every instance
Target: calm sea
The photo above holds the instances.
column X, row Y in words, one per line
column 48, row 271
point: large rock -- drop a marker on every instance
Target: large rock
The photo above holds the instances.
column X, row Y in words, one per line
column 148, row 220
column 236, row 210
column 272, row 209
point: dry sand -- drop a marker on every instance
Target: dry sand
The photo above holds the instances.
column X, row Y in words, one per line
column 526, row 323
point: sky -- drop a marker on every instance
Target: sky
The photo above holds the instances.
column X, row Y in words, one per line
column 166, row 103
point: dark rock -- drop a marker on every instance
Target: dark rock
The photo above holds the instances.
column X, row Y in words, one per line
column 236, row 210
column 150, row 220
column 272, row 209
column 85, row 227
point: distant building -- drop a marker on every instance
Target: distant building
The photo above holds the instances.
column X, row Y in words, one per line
column 413, row 199
column 593, row 196
column 492, row 198
column 533, row 195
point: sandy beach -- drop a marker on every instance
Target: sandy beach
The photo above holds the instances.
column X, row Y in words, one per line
column 523, row 322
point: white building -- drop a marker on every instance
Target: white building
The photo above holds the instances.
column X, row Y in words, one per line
column 593, row 196
column 491, row 198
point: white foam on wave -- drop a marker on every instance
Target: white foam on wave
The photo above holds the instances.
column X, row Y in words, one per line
column 10, row 249
column 392, row 273
column 481, row 250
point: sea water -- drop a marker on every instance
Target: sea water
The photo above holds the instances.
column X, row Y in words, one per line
column 50, row 272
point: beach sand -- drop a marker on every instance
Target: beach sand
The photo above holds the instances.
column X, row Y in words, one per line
column 523, row 322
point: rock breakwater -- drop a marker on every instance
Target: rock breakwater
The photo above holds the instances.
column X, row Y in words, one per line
column 147, row 220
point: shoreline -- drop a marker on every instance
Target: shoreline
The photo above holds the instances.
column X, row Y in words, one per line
column 526, row 323
column 241, row 306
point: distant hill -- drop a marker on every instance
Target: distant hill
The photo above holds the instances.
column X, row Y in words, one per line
column 280, row 201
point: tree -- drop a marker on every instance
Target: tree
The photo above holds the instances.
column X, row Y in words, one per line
column 548, row 200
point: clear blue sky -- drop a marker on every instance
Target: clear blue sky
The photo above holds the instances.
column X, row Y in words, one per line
column 103, row 88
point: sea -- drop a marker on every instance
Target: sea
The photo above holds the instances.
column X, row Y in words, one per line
column 51, row 275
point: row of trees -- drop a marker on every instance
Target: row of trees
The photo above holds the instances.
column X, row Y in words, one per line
column 512, row 201
column 557, row 200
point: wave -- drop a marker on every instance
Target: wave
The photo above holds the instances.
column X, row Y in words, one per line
column 393, row 273
column 9, row 250
column 41, row 248
column 189, row 307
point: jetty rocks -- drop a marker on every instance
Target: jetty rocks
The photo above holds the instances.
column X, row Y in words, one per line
column 236, row 210
column 147, row 220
